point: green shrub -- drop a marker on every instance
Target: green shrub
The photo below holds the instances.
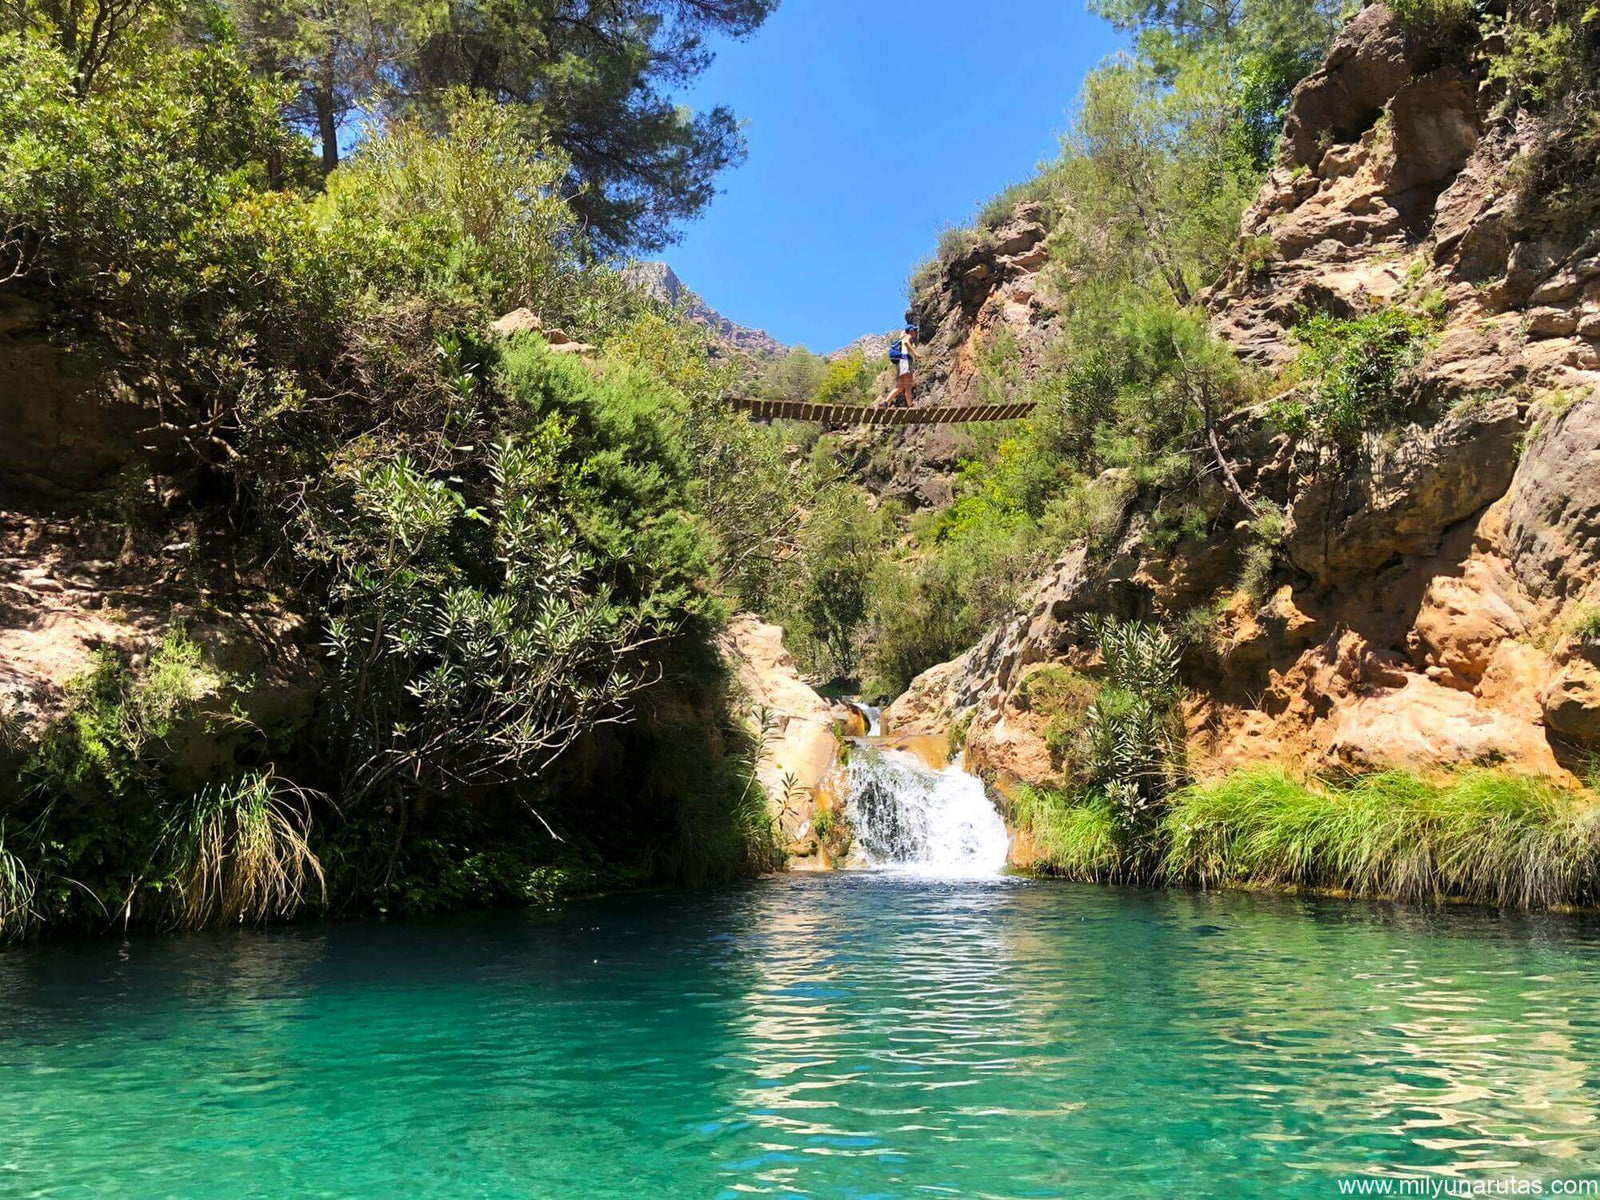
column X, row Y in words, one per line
column 477, row 199
column 849, row 380
column 1134, row 729
column 917, row 621
column 1548, row 68
column 1437, row 20
column 1062, row 698
column 1262, row 550
column 798, row 375
column 105, row 743
column 1354, row 370
column 827, row 599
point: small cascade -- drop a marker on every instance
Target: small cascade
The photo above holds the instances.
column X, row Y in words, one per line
column 909, row 818
column 872, row 713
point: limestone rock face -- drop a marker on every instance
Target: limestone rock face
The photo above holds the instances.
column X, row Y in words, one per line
column 66, row 593
column 1552, row 535
column 1371, row 60
column 1398, row 499
column 1571, row 699
column 69, row 427
column 802, row 729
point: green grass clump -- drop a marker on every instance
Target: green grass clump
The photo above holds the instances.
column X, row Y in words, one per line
column 1586, row 624
column 17, row 888
column 243, row 854
column 1481, row 836
column 1075, row 836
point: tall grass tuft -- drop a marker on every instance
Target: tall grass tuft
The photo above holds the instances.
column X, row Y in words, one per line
column 243, row 855
column 17, row 891
column 1480, row 836
column 1075, row 837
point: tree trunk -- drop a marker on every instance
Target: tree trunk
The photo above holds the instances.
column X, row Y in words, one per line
column 327, row 125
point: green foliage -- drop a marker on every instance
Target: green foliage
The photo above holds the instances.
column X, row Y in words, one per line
column 502, row 549
column 1063, row 698
column 605, row 79
column 956, row 736
column 105, row 744
column 798, row 375
column 975, row 558
column 1156, row 183
column 827, row 602
column 1548, row 67
column 93, row 37
column 1354, row 370
column 1481, row 836
column 998, row 375
column 849, row 380
column 1436, row 20
column 599, row 80
column 481, row 626
column 1133, row 731
column 477, row 204
column 1267, row 45
column 741, row 483
column 1262, row 550
column 998, row 209
column 17, row 887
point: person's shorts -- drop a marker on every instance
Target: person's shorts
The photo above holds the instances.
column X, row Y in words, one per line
column 905, row 366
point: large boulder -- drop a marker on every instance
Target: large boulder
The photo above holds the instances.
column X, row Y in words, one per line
column 800, row 729
column 1571, row 697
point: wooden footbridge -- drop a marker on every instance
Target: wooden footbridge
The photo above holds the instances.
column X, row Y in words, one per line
column 862, row 414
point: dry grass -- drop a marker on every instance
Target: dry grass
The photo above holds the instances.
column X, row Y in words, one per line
column 243, row 854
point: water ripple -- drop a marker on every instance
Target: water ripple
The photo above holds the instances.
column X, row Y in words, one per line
column 852, row 1036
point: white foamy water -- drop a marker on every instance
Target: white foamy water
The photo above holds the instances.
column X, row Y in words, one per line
column 908, row 818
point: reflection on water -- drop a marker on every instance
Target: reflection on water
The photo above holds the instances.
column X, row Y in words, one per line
column 847, row 1036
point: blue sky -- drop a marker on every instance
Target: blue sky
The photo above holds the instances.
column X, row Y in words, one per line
column 813, row 238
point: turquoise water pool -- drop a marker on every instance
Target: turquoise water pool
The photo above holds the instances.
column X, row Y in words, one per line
column 844, row 1036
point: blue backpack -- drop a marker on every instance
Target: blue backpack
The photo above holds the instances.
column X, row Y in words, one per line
column 896, row 350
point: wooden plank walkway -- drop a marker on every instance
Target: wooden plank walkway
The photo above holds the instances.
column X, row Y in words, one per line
column 857, row 414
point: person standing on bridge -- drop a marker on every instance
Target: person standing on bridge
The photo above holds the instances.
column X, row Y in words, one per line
column 901, row 353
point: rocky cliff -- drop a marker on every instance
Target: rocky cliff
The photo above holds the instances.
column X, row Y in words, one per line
column 1430, row 604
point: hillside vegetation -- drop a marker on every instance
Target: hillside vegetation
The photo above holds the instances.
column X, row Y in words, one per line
column 387, row 610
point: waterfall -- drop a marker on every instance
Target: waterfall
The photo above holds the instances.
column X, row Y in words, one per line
column 909, row 818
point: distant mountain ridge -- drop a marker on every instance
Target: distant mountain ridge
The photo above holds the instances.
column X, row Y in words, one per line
column 662, row 282
column 870, row 346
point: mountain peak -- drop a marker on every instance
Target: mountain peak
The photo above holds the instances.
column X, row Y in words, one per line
column 658, row 279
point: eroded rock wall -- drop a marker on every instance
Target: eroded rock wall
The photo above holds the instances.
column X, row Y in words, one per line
column 1424, row 616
